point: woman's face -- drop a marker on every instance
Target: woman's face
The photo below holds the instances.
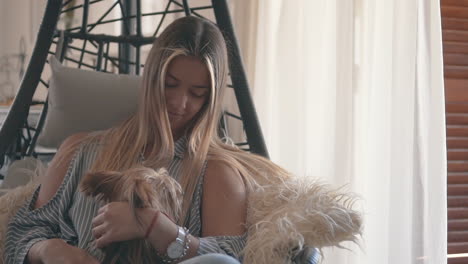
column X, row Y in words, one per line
column 187, row 85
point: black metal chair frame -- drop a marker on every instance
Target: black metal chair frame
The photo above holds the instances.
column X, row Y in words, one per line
column 18, row 137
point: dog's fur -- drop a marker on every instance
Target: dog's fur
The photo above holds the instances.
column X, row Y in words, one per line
column 140, row 187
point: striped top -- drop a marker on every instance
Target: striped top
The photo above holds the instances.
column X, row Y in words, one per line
column 69, row 213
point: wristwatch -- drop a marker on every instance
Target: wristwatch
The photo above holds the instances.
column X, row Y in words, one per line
column 178, row 248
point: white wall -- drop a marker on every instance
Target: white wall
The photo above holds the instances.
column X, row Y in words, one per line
column 19, row 19
column 2, row 26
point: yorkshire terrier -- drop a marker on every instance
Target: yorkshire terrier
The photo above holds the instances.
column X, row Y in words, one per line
column 141, row 187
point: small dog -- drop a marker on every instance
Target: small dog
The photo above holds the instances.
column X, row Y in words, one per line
column 141, row 187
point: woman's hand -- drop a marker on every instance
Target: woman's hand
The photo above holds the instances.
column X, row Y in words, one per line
column 116, row 222
column 57, row 251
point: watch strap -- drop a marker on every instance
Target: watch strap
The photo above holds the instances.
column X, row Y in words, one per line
column 183, row 239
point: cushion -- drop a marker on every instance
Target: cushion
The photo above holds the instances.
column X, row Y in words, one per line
column 83, row 100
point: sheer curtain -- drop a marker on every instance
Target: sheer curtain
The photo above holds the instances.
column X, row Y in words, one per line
column 352, row 92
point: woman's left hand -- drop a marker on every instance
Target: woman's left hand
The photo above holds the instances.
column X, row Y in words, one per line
column 115, row 222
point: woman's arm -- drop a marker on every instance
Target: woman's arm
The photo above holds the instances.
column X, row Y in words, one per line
column 33, row 234
column 224, row 210
column 51, row 181
column 224, row 205
column 57, row 251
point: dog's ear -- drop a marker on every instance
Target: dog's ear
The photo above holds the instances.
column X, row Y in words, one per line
column 106, row 185
column 142, row 193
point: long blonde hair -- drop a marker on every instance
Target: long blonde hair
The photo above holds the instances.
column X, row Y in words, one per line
column 150, row 128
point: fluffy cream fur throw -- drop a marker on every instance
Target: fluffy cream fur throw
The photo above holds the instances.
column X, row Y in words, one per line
column 15, row 198
column 286, row 215
column 9, row 205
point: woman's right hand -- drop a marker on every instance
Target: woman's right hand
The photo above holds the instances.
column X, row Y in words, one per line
column 55, row 251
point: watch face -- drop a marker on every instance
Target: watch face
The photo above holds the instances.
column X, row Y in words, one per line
column 175, row 250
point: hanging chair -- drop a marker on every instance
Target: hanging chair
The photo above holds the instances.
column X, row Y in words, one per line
column 77, row 38
column 70, row 32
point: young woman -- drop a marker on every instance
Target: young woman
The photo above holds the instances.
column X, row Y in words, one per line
column 175, row 127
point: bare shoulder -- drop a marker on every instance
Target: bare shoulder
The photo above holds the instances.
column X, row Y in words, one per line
column 221, row 176
column 67, row 149
column 51, row 181
column 224, row 201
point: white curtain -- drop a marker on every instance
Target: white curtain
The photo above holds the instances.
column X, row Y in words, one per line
column 352, row 92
